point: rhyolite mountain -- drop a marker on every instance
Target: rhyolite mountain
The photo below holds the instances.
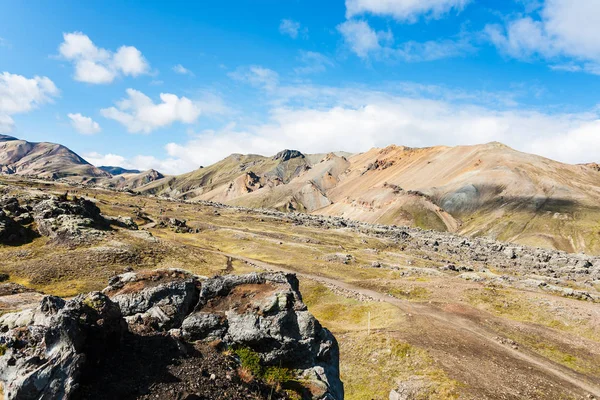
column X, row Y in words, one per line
column 481, row 190
column 55, row 161
column 46, row 160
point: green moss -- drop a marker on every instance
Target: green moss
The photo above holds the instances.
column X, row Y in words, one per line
column 273, row 376
column 3, row 349
column 249, row 360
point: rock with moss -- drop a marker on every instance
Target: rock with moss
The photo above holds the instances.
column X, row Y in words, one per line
column 69, row 221
column 49, row 351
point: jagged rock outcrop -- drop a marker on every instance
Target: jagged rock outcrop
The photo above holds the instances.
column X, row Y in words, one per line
column 52, row 351
column 68, row 221
column 286, row 155
column 43, row 358
column 13, row 217
column 265, row 312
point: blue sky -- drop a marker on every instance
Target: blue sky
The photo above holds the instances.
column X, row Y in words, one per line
column 175, row 85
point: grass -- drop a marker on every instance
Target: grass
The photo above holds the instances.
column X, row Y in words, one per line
column 577, row 359
column 373, row 365
column 510, row 304
column 250, row 363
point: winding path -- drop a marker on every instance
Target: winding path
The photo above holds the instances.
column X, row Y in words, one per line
column 456, row 321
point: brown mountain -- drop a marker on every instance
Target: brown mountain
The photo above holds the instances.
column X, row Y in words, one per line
column 487, row 189
column 47, row 160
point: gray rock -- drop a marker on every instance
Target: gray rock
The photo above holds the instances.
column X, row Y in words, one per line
column 68, row 221
column 156, row 301
column 44, row 360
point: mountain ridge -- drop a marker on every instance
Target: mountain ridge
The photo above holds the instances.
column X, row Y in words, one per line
column 475, row 190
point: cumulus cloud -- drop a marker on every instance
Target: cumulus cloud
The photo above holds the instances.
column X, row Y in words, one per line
column 403, row 10
column 97, row 65
column 559, row 29
column 138, row 113
column 355, row 120
column 19, row 94
column 180, row 69
column 84, row 125
column 292, row 28
column 257, row 76
column 140, row 162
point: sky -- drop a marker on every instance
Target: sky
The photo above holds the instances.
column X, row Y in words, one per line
column 177, row 85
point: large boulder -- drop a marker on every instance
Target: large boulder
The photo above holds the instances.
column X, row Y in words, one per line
column 11, row 232
column 53, row 351
column 156, row 300
column 69, row 221
column 44, row 352
column 265, row 313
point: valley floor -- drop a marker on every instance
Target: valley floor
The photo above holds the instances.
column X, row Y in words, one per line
column 400, row 315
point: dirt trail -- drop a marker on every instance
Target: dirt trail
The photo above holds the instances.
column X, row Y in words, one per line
column 459, row 323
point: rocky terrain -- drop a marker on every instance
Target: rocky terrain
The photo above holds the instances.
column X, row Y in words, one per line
column 414, row 312
column 483, row 190
column 486, row 190
column 67, row 348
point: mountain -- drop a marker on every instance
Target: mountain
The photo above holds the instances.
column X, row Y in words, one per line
column 48, row 160
column 130, row 180
column 481, row 190
column 118, row 170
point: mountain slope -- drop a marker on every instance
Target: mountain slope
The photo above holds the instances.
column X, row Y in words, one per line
column 478, row 190
column 46, row 160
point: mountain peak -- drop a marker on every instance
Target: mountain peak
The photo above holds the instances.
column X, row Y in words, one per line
column 7, row 138
column 286, row 155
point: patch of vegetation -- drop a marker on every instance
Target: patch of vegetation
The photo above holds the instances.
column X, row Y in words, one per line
column 508, row 303
column 373, row 365
column 276, row 377
column 3, row 349
column 579, row 360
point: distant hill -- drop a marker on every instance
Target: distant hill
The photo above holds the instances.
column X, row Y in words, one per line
column 481, row 190
column 48, row 160
column 131, row 180
column 119, row 170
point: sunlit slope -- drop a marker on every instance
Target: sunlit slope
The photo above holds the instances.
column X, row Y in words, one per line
column 47, row 160
column 487, row 189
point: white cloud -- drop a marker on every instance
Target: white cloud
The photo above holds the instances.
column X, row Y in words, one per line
column 84, row 125
column 565, row 29
column 140, row 162
column 138, row 113
column 180, row 69
column 357, row 120
column 97, row 65
column 403, row 10
column 19, row 94
column 360, row 37
column 432, row 50
column 313, row 62
column 256, row 76
column 292, row 28
column 365, row 42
